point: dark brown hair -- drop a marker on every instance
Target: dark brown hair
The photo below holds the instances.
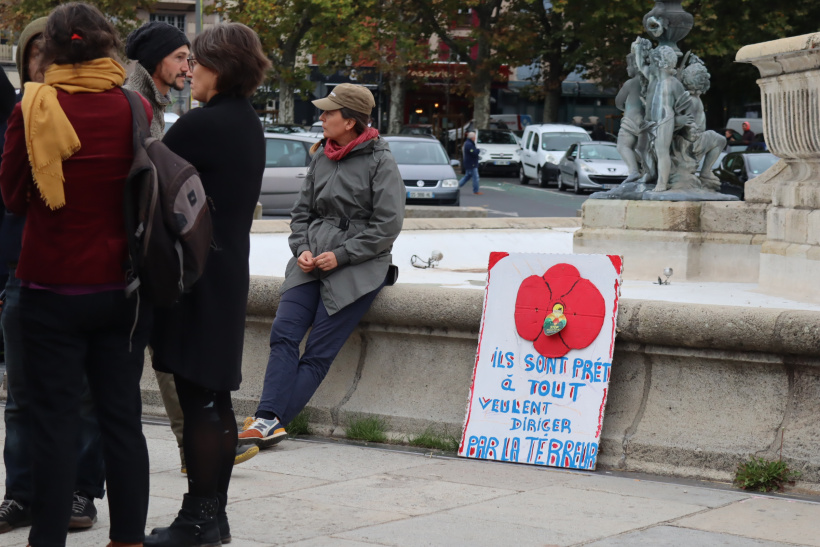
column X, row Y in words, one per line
column 362, row 120
column 77, row 32
column 234, row 52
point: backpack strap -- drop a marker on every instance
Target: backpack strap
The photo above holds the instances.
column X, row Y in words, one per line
column 139, row 120
column 140, row 130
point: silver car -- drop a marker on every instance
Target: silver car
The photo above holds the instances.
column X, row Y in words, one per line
column 286, row 165
column 594, row 165
column 428, row 174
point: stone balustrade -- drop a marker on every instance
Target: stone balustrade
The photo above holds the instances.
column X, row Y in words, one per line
column 790, row 90
column 695, row 389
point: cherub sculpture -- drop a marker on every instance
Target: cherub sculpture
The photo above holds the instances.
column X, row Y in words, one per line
column 706, row 145
column 668, row 108
column 630, row 101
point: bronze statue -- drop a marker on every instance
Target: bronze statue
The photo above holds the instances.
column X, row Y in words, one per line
column 707, row 145
column 663, row 138
column 630, row 101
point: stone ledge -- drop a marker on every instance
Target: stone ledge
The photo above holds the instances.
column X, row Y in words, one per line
column 601, row 213
column 733, row 328
column 693, row 255
column 695, row 388
column 674, row 216
column 733, row 217
column 432, row 211
column 278, row 226
column 614, row 237
column 794, row 54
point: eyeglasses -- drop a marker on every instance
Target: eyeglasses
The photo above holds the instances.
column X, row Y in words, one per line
column 191, row 62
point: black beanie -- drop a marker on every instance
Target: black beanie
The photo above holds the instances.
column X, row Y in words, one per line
column 152, row 42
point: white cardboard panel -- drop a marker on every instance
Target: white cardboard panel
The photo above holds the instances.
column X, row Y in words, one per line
column 525, row 407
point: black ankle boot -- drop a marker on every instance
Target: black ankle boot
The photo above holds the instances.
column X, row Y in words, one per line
column 195, row 526
column 222, row 518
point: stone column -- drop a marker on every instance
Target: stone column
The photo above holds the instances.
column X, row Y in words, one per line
column 790, row 90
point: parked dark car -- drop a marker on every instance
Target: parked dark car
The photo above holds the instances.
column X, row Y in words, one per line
column 427, row 172
column 739, row 167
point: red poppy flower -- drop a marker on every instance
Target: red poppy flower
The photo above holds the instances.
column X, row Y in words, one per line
column 583, row 308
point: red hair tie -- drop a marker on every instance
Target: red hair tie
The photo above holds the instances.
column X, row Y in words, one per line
column 76, row 37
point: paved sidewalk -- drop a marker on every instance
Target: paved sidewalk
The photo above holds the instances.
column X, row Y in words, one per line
column 310, row 493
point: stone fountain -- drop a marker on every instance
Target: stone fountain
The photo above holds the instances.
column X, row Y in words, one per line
column 668, row 213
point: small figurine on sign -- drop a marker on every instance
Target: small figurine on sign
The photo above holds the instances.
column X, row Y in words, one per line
column 555, row 321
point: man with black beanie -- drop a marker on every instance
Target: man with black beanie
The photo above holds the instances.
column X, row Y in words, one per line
column 161, row 51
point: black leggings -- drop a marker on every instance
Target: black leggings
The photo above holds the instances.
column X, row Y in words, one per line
column 208, row 437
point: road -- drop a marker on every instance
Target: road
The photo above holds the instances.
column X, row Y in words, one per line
column 506, row 197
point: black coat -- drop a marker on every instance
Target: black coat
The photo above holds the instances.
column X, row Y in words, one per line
column 201, row 337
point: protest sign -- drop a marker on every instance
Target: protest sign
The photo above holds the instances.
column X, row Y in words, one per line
column 544, row 359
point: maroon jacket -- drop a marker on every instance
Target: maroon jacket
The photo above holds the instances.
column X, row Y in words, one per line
column 83, row 242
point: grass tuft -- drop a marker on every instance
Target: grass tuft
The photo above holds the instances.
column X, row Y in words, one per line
column 763, row 475
column 300, row 425
column 369, row 429
column 440, row 441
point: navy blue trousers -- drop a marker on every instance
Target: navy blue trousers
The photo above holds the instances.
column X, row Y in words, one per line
column 290, row 380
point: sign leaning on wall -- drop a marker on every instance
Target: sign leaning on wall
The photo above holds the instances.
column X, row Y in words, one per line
column 544, row 359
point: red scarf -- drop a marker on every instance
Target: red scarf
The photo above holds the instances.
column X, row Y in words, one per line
column 336, row 152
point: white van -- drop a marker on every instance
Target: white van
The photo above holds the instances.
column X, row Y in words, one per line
column 542, row 147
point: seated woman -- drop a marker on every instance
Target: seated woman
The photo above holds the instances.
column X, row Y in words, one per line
column 343, row 226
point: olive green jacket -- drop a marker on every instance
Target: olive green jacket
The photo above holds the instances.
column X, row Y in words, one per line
column 365, row 188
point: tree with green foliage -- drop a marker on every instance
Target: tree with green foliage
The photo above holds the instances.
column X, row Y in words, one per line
column 723, row 27
column 387, row 39
column 565, row 36
column 290, row 30
column 594, row 37
column 493, row 40
column 282, row 26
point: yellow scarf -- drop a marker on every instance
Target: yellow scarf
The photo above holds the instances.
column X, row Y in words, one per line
column 50, row 138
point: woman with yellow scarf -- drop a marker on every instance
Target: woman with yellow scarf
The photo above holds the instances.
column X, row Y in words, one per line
column 68, row 152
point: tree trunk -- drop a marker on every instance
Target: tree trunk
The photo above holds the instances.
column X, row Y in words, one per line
column 481, row 105
column 286, row 102
column 397, row 92
column 552, row 100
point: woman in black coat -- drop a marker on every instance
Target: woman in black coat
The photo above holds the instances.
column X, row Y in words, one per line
column 200, row 339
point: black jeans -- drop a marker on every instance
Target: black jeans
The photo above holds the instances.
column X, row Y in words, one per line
column 16, row 453
column 64, row 338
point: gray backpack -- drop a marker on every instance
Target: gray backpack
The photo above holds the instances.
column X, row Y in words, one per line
column 167, row 219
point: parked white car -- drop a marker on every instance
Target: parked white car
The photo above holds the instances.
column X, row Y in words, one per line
column 542, row 148
column 498, row 151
